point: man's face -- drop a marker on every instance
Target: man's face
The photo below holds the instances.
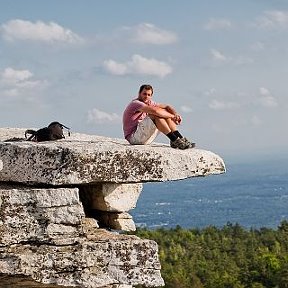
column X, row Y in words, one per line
column 145, row 96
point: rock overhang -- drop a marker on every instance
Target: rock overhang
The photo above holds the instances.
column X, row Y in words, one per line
column 95, row 174
column 85, row 159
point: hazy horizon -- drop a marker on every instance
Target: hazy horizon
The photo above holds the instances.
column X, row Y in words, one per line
column 221, row 64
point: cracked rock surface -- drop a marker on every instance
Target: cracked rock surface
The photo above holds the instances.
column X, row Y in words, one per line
column 82, row 159
column 45, row 235
column 55, row 195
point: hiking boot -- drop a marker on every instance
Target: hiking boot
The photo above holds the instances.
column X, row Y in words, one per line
column 179, row 143
column 191, row 144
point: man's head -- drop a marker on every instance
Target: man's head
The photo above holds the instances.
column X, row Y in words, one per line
column 145, row 93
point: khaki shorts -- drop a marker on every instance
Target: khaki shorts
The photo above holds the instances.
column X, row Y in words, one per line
column 145, row 133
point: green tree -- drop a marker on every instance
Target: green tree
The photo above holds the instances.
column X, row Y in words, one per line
column 225, row 257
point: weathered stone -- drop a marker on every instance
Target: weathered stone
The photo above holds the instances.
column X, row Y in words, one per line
column 42, row 215
column 43, row 232
column 84, row 159
column 7, row 281
column 109, row 259
column 111, row 197
column 118, row 286
column 89, row 223
column 19, row 281
column 117, row 221
column 44, row 235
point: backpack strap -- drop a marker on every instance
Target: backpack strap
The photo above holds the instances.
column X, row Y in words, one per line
column 56, row 123
column 33, row 135
column 68, row 129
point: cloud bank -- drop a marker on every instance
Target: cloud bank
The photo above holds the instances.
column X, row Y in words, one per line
column 17, row 30
column 14, row 83
column 138, row 65
column 273, row 19
column 147, row 33
column 218, row 58
column 266, row 99
column 96, row 116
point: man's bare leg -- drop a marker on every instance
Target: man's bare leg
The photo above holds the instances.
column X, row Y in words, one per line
column 163, row 125
column 167, row 126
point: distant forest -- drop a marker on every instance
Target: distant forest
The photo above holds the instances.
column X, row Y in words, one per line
column 227, row 257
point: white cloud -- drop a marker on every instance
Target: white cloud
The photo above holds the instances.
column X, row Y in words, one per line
column 273, row 19
column 222, row 105
column 186, row 109
column 218, row 24
column 115, row 68
column 150, row 34
column 50, row 32
column 218, row 58
column 12, row 76
column 97, row 116
column 138, row 65
column 266, row 99
column 210, row 92
column 15, row 83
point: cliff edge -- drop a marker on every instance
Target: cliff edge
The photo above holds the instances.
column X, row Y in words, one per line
column 63, row 204
column 83, row 159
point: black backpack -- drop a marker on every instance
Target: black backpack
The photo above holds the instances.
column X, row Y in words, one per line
column 54, row 131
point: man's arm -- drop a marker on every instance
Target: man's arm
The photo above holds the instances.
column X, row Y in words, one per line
column 157, row 111
column 167, row 107
column 176, row 117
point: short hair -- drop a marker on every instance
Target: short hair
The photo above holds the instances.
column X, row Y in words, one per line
column 145, row 87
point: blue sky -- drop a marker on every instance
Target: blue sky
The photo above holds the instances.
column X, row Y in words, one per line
column 221, row 64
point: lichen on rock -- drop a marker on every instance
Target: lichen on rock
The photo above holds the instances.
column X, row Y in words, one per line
column 63, row 202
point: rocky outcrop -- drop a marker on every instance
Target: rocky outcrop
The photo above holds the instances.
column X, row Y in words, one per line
column 83, row 159
column 51, row 216
column 64, row 203
column 44, row 234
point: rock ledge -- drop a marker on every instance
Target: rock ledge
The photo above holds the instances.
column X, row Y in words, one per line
column 59, row 199
column 83, row 159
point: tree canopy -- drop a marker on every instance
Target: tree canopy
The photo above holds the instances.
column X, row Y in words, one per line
column 226, row 257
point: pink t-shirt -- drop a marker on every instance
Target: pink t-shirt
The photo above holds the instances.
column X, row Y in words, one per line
column 132, row 116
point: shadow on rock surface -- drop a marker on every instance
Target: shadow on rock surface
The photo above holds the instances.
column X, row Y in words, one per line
column 20, row 281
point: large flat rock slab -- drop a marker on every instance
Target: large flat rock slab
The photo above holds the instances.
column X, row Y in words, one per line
column 50, row 216
column 106, row 259
column 85, row 159
column 45, row 235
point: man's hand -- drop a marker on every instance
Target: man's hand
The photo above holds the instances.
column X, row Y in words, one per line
column 177, row 119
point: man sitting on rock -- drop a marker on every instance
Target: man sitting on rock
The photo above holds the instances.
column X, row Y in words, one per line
column 143, row 119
